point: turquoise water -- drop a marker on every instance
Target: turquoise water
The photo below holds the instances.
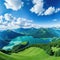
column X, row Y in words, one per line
column 30, row 39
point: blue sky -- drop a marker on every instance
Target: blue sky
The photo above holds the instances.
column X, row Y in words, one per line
column 35, row 12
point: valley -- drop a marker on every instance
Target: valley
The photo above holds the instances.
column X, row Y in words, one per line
column 32, row 44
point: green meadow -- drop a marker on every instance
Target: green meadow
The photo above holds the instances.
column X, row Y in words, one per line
column 32, row 53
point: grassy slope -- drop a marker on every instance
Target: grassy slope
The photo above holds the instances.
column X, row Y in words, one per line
column 32, row 53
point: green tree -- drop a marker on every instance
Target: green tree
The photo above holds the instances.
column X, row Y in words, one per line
column 57, row 53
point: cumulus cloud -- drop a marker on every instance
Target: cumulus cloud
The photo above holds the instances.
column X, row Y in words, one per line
column 49, row 11
column 39, row 9
column 57, row 10
column 13, row 4
column 1, row 18
column 8, row 17
column 10, row 22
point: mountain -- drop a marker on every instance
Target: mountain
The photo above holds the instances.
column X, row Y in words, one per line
column 6, row 36
column 40, row 33
column 26, row 31
column 47, row 33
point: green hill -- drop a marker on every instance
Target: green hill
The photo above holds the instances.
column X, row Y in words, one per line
column 32, row 53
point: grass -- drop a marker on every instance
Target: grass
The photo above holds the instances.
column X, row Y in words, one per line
column 5, row 57
column 32, row 53
column 55, row 49
column 24, row 43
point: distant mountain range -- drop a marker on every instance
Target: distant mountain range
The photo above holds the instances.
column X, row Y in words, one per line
column 40, row 33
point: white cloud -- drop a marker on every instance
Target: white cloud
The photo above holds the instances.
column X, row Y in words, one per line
column 10, row 22
column 36, row 25
column 38, row 7
column 1, row 18
column 13, row 4
column 8, row 17
column 49, row 11
column 57, row 10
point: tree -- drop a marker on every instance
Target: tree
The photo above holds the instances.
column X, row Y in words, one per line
column 57, row 53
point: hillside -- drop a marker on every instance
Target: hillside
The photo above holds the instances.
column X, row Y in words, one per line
column 9, row 34
column 31, row 53
column 6, row 36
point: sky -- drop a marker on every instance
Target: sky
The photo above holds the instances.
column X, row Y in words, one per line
column 29, row 13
